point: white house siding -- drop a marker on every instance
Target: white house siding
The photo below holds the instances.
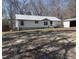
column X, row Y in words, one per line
column 56, row 23
column 31, row 24
column 66, row 24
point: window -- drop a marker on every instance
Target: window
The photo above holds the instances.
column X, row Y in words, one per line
column 50, row 22
column 21, row 22
column 45, row 23
column 36, row 22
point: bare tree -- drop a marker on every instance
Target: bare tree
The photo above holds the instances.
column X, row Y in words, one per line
column 71, row 9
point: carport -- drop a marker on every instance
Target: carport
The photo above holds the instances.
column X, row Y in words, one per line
column 70, row 22
column 73, row 23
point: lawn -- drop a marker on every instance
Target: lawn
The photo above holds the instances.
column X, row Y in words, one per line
column 43, row 30
column 40, row 44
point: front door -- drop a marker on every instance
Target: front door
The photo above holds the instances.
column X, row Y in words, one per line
column 51, row 23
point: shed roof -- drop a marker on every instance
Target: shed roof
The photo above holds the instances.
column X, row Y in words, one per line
column 72, row 19
column 32, row 17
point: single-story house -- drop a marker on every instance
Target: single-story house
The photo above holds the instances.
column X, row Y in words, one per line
column 69, row 22
column 31, row 21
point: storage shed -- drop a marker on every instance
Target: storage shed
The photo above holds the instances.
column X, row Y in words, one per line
column 70, row 22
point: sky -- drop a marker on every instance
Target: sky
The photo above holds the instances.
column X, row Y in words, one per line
column 63, row 3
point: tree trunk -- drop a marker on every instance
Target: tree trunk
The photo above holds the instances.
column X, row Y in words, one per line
column 62, row 23
column 11, row 25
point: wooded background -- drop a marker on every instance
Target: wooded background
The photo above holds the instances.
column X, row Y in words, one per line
column 56, row 8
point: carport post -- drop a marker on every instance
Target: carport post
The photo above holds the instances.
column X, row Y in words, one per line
column 18, row 26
